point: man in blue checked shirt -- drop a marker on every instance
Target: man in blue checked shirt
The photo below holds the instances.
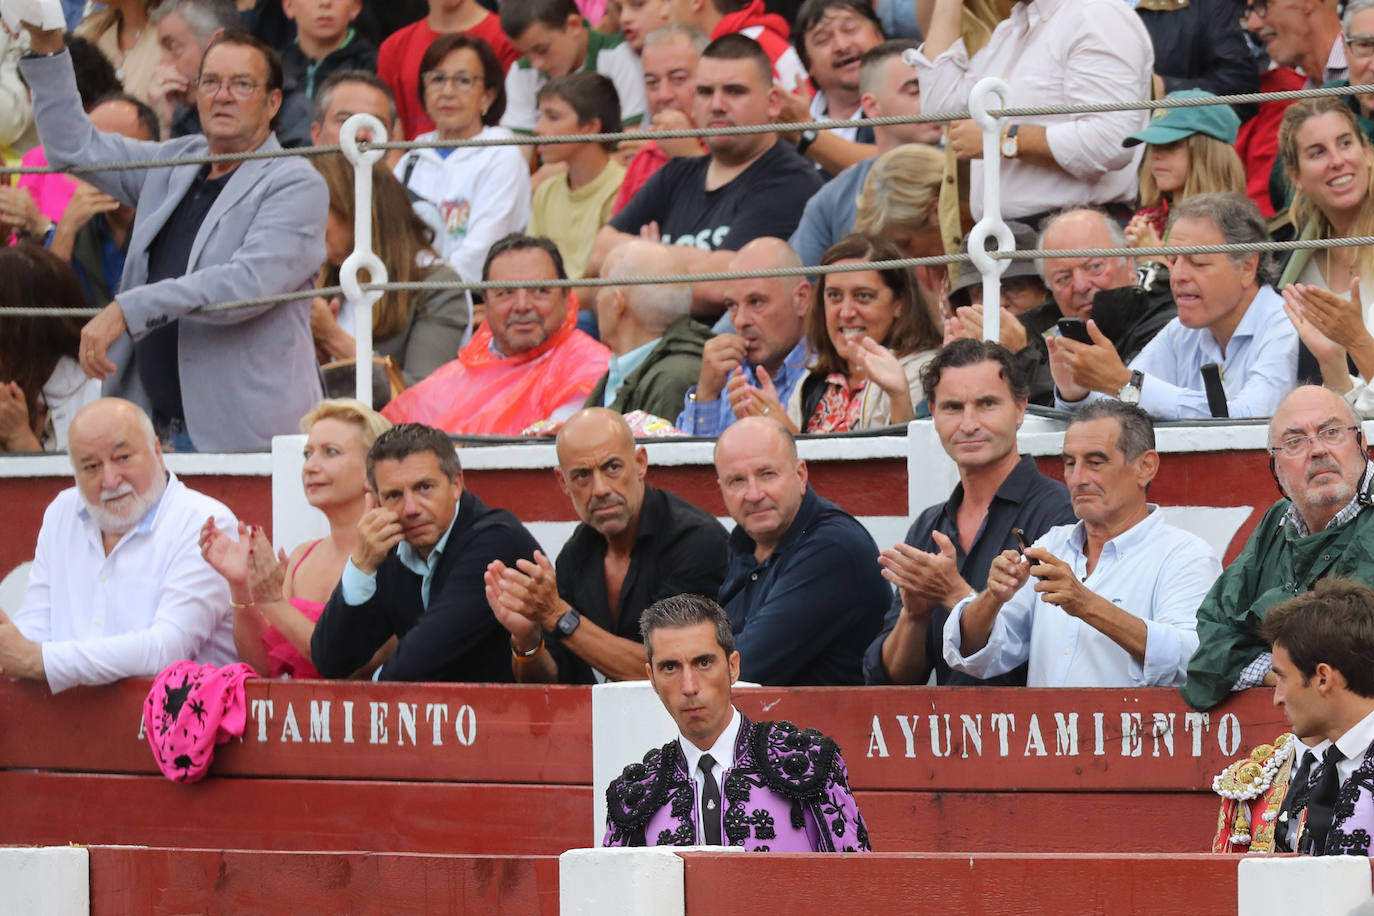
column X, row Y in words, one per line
column 1109, row 602
column 767, row 349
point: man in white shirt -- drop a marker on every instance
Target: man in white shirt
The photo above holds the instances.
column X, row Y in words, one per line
column 1050, row 52
column 1324, row 668
column 1228, row 315
column 1108, row 602
column 118, row 586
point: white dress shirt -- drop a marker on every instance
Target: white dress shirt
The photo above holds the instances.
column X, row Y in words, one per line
column 819, row 104
column 723, row 753
column 1056, row 52
column 1354, row 744
column 1153, row 570
column 1259, row 368
column 151, row 601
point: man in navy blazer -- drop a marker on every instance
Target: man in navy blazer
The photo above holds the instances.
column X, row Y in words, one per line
column 212, row 380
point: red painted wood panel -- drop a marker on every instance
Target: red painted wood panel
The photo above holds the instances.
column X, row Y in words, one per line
column 959, row 885
column 450, row 732
column 167, row 881
column 53, row 809
column 965, row 739
column 1021, row 820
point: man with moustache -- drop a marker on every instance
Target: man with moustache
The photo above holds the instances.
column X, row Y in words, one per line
column 1108, row 602
column 118, row 587
column 751, row 185
column 769, row 340
column 1321, row 528
column 977, row 397
column 635, row 545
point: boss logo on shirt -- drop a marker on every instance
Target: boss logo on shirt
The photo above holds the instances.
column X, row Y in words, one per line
column 706, row 239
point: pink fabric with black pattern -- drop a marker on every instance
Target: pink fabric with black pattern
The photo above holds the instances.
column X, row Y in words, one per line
column 190, row 709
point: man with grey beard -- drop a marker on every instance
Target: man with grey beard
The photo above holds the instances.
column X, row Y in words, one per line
column 118, row 586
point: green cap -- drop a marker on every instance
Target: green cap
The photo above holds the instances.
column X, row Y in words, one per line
column 1169, row 125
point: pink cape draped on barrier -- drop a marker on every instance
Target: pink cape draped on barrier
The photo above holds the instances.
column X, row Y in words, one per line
column 483, row 394
column 190, row 709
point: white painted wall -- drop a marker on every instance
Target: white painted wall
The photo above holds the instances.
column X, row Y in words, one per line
column 51, row 881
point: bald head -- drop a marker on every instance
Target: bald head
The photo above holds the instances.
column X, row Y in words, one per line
column 755, row 434
column 602, row 471
column 1309, row 400
column 767, row 253
column 761, row 480
column 117, row 461
column 632, row 315
column 768, row 312
column 108, row 413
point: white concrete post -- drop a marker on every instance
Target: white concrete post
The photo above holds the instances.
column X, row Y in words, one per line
column 49, row 881
column 1311, row 885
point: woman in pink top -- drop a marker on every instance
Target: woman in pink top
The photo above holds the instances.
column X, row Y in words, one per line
column 277, row 601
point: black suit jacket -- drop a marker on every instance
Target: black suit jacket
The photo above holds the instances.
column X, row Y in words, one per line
column 457, row 638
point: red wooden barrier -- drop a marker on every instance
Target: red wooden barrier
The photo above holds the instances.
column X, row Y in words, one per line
column 960, row 885
column 213, row 881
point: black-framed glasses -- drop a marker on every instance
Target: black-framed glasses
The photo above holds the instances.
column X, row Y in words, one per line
column 1330, row 436
column 240, row 87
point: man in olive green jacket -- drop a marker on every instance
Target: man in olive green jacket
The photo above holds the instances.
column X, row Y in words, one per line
column 1322, row 529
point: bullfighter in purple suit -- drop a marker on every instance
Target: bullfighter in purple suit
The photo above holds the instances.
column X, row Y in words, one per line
column 765, row 786
column 1324, row 670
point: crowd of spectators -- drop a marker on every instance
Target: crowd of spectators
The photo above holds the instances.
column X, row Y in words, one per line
column 1017, row 579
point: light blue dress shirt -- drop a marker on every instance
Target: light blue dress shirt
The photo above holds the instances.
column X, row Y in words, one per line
column 359, row 587
column 710, row 418
column 1259, row 368
column 1155, row 571
column 620, row 368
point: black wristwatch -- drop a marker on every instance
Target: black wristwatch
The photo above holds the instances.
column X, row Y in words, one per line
column 808, row 137
column 569, row 622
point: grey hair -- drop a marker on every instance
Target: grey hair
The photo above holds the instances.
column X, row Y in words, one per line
column 1114, row 231
column 1238, row 220
column 666, row 33
column 203, row 17
column 678, row 611
column 656, row 305
column 1137, row 430
column 1352, row 8
column 324, row 96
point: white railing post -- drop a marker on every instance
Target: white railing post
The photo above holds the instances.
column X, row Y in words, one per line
column 362, row 257
column 990, row 90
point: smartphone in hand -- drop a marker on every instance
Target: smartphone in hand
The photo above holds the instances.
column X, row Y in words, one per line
column 1074, row 329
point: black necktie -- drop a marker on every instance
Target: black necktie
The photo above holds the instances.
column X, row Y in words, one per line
column 1321, row 805
column 1296, row 799
column 710, row 801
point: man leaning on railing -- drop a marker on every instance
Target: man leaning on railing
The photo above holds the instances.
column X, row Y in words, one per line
column 213, row 381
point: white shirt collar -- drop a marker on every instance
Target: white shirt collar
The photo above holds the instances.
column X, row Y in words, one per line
column 1354, row 743
column 723, row 751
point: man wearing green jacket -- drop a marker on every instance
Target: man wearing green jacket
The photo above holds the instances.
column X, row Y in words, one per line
column 1324, row 528
column 655, row 345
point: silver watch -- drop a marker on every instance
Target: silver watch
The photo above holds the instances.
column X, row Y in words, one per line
column 1130, row 392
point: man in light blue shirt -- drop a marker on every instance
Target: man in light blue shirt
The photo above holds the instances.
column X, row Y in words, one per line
column 1109, row 602
column 1228, row 314
column 769, row 342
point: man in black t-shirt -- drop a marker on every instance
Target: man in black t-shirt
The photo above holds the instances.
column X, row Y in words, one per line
column 636, row 545
column 751, row 185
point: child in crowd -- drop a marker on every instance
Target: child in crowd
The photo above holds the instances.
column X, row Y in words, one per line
column 555, row 41
column 398, row 61
column 325, row 42
column 570, row 208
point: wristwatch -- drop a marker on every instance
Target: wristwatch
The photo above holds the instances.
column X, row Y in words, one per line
column 1010, row 145
column 569, row 622
column 1130, row 392
column 808, row 137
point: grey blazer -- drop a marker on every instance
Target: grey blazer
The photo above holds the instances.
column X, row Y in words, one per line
column 246, row 374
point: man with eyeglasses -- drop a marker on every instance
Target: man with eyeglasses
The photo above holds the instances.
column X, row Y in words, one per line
column 1131, row 306
column 1229, row 317
column 203, row 234
column 1321, row 529
column 1305, row 34
column 1358, row 25
column 527, row 362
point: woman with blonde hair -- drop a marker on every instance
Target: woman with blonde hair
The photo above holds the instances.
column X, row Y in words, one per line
column 1188, row 151
column 124, row 32
column 277, row 600
column 1329, row 292
column 900, row 201
column 419, row 330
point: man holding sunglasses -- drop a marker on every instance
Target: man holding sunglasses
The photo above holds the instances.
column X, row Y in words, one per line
column 1321, row 529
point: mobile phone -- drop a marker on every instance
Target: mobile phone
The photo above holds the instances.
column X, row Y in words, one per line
column 1021, row 543
column 1074, row 329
